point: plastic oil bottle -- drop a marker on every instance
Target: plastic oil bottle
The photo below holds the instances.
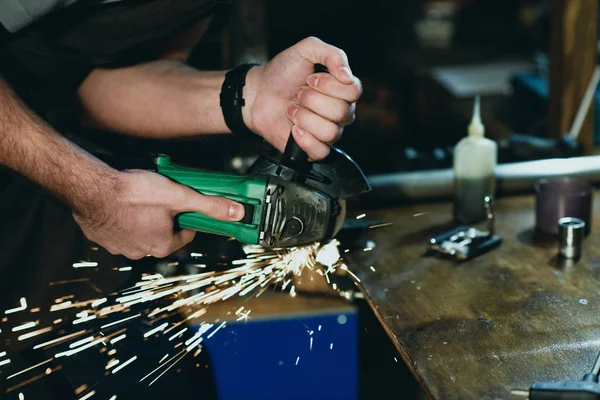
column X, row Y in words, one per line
column 475, row 159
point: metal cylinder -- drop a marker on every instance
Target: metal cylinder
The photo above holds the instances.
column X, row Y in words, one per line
column 570, row 235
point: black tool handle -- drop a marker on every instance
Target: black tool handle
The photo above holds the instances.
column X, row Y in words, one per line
column 293, row 156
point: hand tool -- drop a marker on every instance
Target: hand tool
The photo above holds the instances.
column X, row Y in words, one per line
column 586, row 389
column 463, row 243
column 289, row 201
column 525, row 147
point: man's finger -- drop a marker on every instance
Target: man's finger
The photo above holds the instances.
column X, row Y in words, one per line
column 315, row 149
column 182, row 238
column 323, row 129
column 211, row 206
column 328, row 85
column 318, row 52
column 335, row 110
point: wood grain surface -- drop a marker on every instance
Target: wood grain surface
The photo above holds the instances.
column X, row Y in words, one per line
column 481, row 328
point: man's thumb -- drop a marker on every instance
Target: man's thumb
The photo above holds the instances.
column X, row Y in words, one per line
column 212, row 206
column 335, row 59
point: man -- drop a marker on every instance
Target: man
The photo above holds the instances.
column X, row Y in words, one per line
column 131, row 212
column 122, row 66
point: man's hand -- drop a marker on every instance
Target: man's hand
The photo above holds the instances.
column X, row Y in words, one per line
column 137, row 219
column 287, row 95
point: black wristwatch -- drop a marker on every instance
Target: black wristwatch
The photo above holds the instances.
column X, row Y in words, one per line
column 232, row 100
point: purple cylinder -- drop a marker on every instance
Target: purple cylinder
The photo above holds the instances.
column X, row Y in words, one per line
column 562, row 197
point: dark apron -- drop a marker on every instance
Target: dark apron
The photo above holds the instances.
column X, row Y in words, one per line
column 39, row 240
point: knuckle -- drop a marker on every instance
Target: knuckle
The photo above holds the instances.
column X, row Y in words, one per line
column 355, row 92
column 218, row 207
column 341, row 112
column 342, row 54
column 351, row 118
column 310, row 40
column 161, row 252
column 308, row 97
column 331, row 134
column 134, row 255
column 320, row 153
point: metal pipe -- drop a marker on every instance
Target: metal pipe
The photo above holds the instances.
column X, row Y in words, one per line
column 511, row 178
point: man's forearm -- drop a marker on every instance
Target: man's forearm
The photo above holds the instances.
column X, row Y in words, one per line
column 160, row 99
column 31, row 147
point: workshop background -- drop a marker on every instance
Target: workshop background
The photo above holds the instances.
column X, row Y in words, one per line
column 421, row 63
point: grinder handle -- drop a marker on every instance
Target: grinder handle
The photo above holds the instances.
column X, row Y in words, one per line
column 293, row 156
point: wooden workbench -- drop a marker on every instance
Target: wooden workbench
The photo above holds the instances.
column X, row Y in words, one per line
column 480, row 329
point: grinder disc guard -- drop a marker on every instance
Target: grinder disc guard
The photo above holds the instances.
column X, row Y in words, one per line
column 337, row 175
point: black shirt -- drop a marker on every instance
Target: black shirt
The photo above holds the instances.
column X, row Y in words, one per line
column 45, row 60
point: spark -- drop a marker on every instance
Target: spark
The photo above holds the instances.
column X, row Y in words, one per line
column 24, row 326
column 126, row 363
column 21, row 396
column 33, row 379
column 69, row 281
column 2, row 354
column 67, row 353
column 85, row 264
column 115, row 340
column 216, row 329
column 99, row 301
column 120, row 321
column 87, row 396
column 178, row 334
column 187, row 295
column 372, row 268
column 113, row 398
column 361, row 216
column 196, row 255
column 22, row 307
column 29, row 335
column 344, row 267
column 82, row 341
column 84, row 319
column 155, row 330
column 380, row 225
column 81, row 389
column 111, row 363
column 331, row 346
column 4, row 362
column 58, row 340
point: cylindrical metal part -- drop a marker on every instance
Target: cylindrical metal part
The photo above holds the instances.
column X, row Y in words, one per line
column 510, row 178
column 564, row 197
column 570, row 235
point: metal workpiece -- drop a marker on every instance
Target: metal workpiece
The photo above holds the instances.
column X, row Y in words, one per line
column 511, row 178
column 463, row 243
column 571, row 232
column 491, row 219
